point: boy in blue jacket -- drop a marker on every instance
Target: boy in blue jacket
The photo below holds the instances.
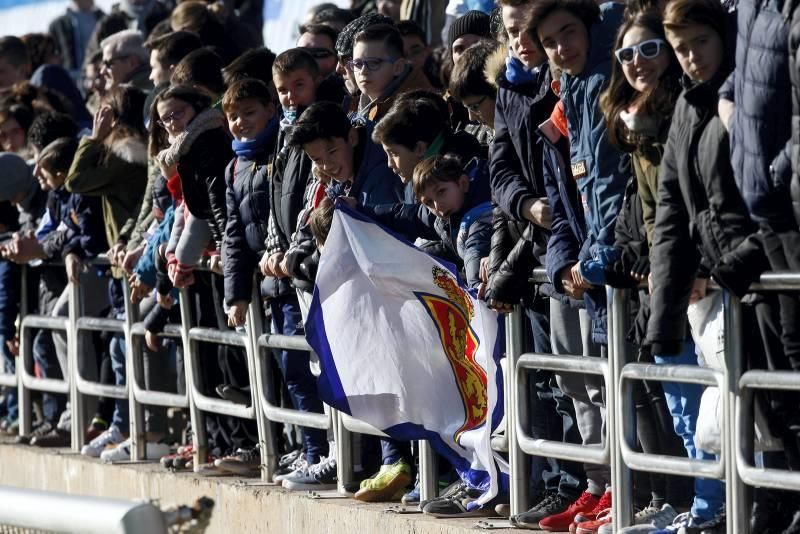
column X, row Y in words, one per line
column 577, row 36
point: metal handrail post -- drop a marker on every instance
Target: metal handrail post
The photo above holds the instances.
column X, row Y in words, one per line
column 24, row 403
column 138, row 432
column 737, row 494
column 428, row 471
column 621, row 478
column 200, row 439
column 518, row 462
column 344, row 453
column 266, row 438
column 76, row 399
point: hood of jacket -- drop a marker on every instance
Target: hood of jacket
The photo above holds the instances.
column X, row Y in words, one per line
column 130, row 150
column 495, row 67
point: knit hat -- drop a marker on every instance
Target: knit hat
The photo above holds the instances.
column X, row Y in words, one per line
column 471, row 22
column 15, row 176
column 344, row 43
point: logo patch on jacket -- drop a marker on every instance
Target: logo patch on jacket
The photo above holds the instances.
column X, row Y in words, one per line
column 579, row 169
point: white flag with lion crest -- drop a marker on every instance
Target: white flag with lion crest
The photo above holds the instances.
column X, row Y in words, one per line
column 406, row 347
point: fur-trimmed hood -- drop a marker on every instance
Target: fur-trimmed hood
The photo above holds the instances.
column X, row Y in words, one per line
column 496, row 65
column 130, row 149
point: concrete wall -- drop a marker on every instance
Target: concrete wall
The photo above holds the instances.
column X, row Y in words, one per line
column 239, row 508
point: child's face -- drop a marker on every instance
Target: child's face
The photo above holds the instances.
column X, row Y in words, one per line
column 48, row 180
column 373, row 55
column 402, row 160
column 174, row 115
column 249, row 117
column 565, row 41
column 12, row 136
column 295, row 89
column 334, row 156
column 522, row 46
column 445, row 198
column 699, row 50
column 480, row 108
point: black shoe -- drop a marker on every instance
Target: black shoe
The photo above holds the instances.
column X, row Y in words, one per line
column 767, row 516
column 54, row 438
column 234, row 394
column 456, row 488
column 455, row 505
column 43, row 428
column 551, row 504
column 794, row 526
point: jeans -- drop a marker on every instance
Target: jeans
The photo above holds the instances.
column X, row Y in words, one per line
column 9, row 366
column 44, row 355
column 296, row 372
column 552, row 418
column 121, row 417
column 683, row 402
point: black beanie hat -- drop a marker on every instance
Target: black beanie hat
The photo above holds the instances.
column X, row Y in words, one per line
column 344, row 43
column 472, row 22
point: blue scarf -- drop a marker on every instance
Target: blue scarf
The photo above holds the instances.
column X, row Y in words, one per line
column 255, row 147
column 517, row 73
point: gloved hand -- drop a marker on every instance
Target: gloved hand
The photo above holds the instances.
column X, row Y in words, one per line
column 641, row 268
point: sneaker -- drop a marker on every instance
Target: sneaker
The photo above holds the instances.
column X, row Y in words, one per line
column 602, row 505
column 602, row 519
column 606, row 529
column 412, row 497
column 245, row 462
column 651, row 518
column 234, row 394
column 503, row 509
column 94, row 448
column 43, row 428
column 386, row 483
column 9, row 427
column 95, row 428
column 686, row 524
column 122, row 452
column 320, row 476
column 550, row 503
column 65, row 420
column 456, row 505
column 561, row 522
column 288, row 464
column 54, row 438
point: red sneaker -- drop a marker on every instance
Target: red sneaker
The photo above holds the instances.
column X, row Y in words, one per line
column 593, row 527
column 561, row 522
column 602, row 505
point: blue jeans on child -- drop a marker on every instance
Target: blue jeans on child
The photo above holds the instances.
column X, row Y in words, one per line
column 683, row 401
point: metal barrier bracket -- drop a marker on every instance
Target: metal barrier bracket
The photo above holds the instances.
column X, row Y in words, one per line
column 493, row 524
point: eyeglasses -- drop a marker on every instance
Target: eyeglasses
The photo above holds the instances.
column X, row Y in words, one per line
column 170, row 118
column 647, row 49
column 475, row 107
column 319, row 52
column 108, row 63
column 370, row 63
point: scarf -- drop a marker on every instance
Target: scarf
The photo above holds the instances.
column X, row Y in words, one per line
column 517, row 73
column 255, row 147
column 639, row 123
column 207, row 120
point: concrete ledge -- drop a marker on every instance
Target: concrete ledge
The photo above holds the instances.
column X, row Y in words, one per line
column 239, row 508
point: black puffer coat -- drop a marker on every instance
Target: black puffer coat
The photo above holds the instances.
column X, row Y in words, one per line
column 791, row 11
column 700, row 215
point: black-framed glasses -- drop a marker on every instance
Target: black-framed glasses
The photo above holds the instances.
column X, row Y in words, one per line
column 108, row 63
column 647, row 49
column 318, row 52
column 370, row 63
column 475, row 107
column 170, row 118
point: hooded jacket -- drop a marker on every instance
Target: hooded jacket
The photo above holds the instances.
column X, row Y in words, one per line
column 791, row 12
column 81, row 217
column 466, row 234
column 760, row 129
column 246, row 231
column 117, row 174
column 601, row 171
column 700, row 215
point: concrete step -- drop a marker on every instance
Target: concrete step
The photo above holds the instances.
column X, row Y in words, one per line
column 242, row 505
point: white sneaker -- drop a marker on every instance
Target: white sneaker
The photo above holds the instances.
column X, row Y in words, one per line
column 300, row 464
column 95, row 447
column 122, row 452
column 651, row 519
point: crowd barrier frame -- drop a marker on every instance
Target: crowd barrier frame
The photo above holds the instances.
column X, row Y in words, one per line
column 734, row 465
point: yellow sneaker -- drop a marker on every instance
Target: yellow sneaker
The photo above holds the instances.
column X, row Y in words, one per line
column 387, row 484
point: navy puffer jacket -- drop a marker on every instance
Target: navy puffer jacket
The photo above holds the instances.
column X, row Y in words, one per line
column 760, row 129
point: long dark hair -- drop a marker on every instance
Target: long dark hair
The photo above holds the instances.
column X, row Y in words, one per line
column 619, row 95
column 192, row 95
column 127, row 104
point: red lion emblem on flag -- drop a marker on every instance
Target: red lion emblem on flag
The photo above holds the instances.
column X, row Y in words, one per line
column 452, row 317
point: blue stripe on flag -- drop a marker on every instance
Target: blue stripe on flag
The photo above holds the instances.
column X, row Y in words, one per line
column 330, row 386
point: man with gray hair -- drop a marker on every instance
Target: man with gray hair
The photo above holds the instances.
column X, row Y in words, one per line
column 125, row 60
